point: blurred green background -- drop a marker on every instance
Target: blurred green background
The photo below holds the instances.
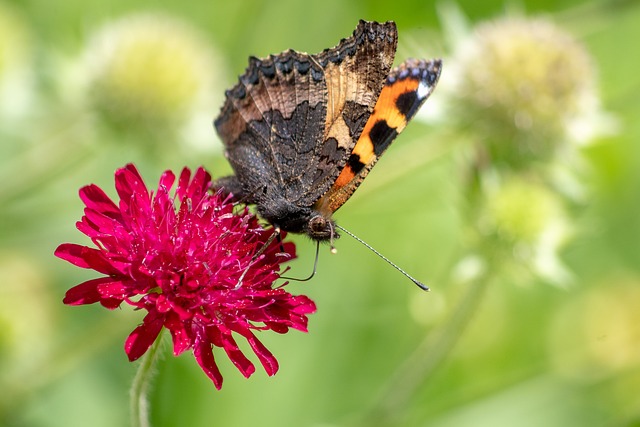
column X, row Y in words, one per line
column 496, row 342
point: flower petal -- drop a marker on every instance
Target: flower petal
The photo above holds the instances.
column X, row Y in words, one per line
column 72, row 253
column 96, row 199
column 226, row 341
column 84, row 257
column 204, row 356
column 87, row 293
column 143, row 336
column 267, row 359
column 130, row 184
column 181, row 339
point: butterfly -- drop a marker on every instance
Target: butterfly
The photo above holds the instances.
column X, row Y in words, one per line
column 303, row 131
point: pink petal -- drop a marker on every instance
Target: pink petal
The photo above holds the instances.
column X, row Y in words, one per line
column 110, row 303
column 236, row 356
column 96, row 199
column 129, row 183
column 166, row 180
column 181, row 339
column 86, row 292
column 116, row 289
column 85, row 257
column 100, row 222
column 277, row 327
column 204, row 356
column 267, row 359
column 72, row 253
column 143, row 336
column 200, row 184
column 183, row 183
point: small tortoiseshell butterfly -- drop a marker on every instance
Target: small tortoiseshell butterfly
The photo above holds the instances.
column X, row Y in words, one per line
column 302, row 131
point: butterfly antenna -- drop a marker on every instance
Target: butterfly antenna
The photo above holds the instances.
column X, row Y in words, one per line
column 368, row 246
column 313, row 273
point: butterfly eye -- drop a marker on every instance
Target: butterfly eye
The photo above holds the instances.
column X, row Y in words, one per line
column 318, row 224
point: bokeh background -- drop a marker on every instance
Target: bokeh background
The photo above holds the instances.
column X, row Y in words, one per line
column 515, row 195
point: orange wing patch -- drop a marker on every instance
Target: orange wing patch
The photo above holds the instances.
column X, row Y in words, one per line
column 385, row 111
column 406, row 89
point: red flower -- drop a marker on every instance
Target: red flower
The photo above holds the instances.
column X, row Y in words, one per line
column 180, row 258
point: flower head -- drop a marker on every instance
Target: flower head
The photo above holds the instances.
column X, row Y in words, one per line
column 181, row 259
column 523, row 85
column 148, row 71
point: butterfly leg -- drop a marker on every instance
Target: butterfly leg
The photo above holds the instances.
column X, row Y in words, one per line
column 230, row 184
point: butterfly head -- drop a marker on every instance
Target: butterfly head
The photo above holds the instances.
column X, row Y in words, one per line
column 321, row 228
column 314, row 224
column 289, row 217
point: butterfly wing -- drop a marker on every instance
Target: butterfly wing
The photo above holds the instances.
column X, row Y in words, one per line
column 355, row 72
column 291, row 122
column 270, row 123
column 407, row 87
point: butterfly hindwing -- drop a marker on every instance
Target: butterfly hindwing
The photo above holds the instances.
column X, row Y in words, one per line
column 407, row 87
column 355, row 71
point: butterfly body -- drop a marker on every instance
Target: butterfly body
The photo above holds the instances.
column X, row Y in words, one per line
column 302, row 131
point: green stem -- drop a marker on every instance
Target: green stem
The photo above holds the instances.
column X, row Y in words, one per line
column 139, row 404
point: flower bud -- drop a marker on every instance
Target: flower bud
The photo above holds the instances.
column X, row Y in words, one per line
column 148, row 71
column 521, row 83
column 520, row 211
